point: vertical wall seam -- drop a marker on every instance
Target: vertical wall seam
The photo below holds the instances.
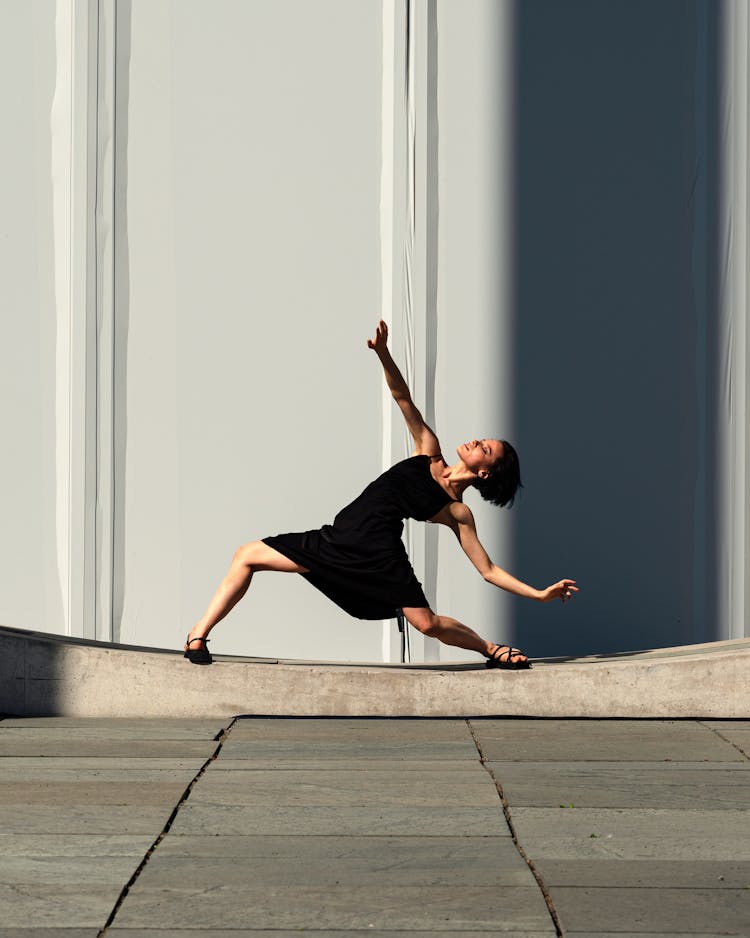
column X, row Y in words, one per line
column 386, row 202
column 732, row 358
column 387, row 234
column 396, row 210
column 61, row 134
column 95, row 254
column 71, row 273
column 745, row 259
column 432, row 223
column 739, row 623
column 112, row 372
column 409, row 339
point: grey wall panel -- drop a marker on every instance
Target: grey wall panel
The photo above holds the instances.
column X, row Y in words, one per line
column 30, row 583
column 249, row 281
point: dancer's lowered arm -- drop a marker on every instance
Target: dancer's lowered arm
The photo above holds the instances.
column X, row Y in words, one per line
column 459, row 518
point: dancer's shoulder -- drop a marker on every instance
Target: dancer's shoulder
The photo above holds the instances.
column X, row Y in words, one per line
column 461, row 513
column 454, row 515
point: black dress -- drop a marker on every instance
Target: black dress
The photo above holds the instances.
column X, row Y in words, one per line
column 360, row 561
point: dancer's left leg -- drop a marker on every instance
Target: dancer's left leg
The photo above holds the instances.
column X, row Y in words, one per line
column 452, row 632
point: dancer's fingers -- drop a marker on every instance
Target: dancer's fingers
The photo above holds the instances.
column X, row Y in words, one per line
column 381, row 336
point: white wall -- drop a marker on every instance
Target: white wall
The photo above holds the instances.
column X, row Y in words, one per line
column 194, row 249
column 250, row 282
column 31, row 586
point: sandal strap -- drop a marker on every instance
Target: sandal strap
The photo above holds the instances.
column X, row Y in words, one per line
column 197, row 639
column 497, row 654
column 504, row 653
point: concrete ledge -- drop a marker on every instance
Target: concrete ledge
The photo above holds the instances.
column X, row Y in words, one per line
column 48, row 675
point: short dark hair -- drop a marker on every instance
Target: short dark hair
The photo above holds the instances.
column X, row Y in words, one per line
column 504, row 481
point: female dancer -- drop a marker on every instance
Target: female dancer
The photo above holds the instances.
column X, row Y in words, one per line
column 360, row 562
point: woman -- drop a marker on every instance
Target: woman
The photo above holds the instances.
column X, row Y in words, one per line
column 360, row 562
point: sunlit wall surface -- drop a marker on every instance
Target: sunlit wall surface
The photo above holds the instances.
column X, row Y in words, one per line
column 206, row 207
column 31, row 581
column 250, row 402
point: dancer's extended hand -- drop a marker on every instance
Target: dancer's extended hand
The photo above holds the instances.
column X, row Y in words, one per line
column 380, row 342
column 563, row 590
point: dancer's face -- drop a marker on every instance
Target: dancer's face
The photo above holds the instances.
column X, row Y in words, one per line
column 480, row 455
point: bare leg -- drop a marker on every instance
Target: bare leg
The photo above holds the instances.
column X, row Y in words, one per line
column 451, row 632
column 247, row 560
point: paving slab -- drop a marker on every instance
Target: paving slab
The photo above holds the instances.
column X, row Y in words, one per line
column 624, row 784
column 415, row 821
column 355, row 749
column 345, row 787
column 678, row 874
column 88, row 845
column 82, row 819
column 135, row 793
column 729, row 724
column 316, row 861
column 93, row 728
column 56, row 870
column 471, row 768
column 601, row 741
column 737, row 737
column 45, row 905
column 345, row 730
column 360, row 847
column 15, row 766
column 657, row 910
column 633, row 834
column 648, row 934
column 61, row 745
column 48, row 773
column 284, row 933
column 409, row 908
column 35, row 932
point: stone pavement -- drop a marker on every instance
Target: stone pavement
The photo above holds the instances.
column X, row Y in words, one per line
column 269, row 826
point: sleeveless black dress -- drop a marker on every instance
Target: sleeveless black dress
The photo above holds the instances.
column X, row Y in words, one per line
column 360, row 561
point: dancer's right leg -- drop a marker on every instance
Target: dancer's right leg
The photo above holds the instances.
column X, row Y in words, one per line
column 248, row 559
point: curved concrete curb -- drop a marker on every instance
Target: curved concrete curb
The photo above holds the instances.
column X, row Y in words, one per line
column 47, row 675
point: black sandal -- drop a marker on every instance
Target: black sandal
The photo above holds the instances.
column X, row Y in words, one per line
column 198, row 655
column 496, row 659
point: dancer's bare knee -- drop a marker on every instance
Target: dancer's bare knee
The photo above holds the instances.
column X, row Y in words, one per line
column 424, row 621
column 247, row 554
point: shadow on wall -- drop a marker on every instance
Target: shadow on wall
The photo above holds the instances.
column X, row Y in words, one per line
column 616, row 303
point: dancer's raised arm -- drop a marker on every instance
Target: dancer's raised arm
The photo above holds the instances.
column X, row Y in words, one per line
column 425, row 441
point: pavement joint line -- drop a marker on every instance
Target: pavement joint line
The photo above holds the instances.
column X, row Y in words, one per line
column 220, row 738
column 514, row 836
column 724, row 738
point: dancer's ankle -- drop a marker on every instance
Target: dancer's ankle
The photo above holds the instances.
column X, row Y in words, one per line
column 196, row 638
